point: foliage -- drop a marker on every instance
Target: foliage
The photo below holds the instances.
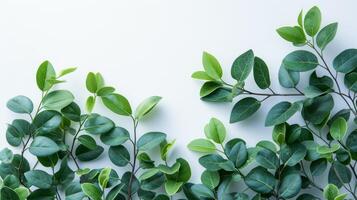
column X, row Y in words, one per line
column 323, row 142
column 62, row 139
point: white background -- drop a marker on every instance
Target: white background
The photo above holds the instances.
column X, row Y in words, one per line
column 151, row 47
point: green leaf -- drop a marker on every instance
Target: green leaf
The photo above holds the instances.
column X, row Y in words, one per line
column 279, row 132
column 58, row 99
column 91, row 191
column 330, row 192
column 288, row 78
column 212, row 162
column 202, row 145
column 184, row 172
column 105, row 91
column 202, row 191
column 210, row 179
column 146, row 106
column 43, row 194
column 242, row 66
column 261, row 73
column 300, row 61
column 20, row 104
column 8, row 194
column 209, row 87
column 104, row 176
column 164, row 149
column 115, row 136
column 22, row 192
column 312, row 21
column 6, row 155
column 44, row 74
column 260, row 180
column 315, row 110
column 90, row 103
column 211, row 66
column 87, row 141
column 339, row 174
column 201, row 75
column 293, row 34
column 292, row 154
column 346, row 61
column 72, row 112
column 219, row 95
column 281, row 112
column 327, row 150
column 267, row 159
column 237, row 153
column 215, row 131
column 66, row 71
column 172, row 187
column 117, row 104
column 290, row 184
column 244, row 108
column 150, row 140
column 326, row 35
column 98, row 125
column 47, row 121
column 74, row 191
column 338, row 128
column 119, row 155
column 351, row 143
column 149, row 173
column 350, row 81
column 299, row 20
column 91, row 82
column 85, row 154
column 43, row 146
column 318, row 167
column 39, row 178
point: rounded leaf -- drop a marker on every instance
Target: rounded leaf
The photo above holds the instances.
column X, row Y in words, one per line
column 300, row 61
column 312, row 21
column 326, row 35
column 346, row 61
column 338, row 128
column 215, row 131
column 281, row 112
column 115, row 136
column 43, row 146
column 260, row 180
column 150, row 140
column 58, row 99
column 211, row 66
column 20, row 104
column 44, row 74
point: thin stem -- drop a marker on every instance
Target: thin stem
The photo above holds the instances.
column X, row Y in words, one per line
column 135, row 152
column 333, row 77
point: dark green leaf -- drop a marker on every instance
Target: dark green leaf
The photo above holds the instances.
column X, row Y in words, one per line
column 326, row 35
column 98, row 125
column 85, row 154
column 346, row 61
column 261, row 73
column 244, row 108
column 300, row 61
column 281, row 112
column 150, row 140
column 260, row 180
column 242, row 66
column 119, row 155
column 116, row 136
column 288, row 78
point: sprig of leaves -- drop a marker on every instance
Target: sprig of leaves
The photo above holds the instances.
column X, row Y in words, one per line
column 326, row 139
